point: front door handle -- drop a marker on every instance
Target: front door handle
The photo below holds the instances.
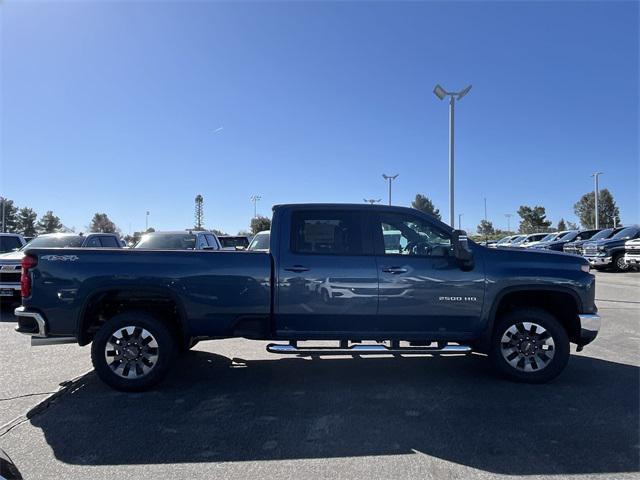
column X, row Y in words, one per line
column 394, row 270
column 296, row 269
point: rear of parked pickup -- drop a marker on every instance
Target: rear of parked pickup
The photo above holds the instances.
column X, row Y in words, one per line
column 374, row 279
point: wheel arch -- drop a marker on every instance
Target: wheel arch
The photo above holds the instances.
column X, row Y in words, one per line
column 107, row 302
column 561, row 302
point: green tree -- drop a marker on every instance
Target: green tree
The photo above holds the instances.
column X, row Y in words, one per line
column 218, row 233
column 10, row 219
column 572, row 226
column 27, row 222
column 534, row 219
column 102, row 224
column 259, row 224
column 424, row 204
column 562, row 226
column 608, row 212
column 485, row 228
column 49, row 223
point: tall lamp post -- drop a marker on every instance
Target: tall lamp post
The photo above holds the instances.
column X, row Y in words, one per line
column 597, row 192
column 255, row 199
column 441, row 93
column 391, row 178
column 146, row 222
column 508, row 215
column 459, row 221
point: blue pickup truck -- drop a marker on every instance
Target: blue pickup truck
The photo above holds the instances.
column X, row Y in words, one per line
column 374, row 279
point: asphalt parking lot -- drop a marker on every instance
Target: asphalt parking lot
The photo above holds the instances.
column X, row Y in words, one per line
column 230, row 410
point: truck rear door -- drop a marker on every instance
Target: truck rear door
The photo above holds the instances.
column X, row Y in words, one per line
column 327, row 278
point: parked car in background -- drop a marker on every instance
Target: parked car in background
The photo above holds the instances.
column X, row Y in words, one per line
column 179, row 240
column 10, row 262
column 632, row 252
column 260, row 242
column 238, row 242
column 11, row 241
column 609, row 253
column 557, row 242
column 507, row 241
column 528, row 240
column 575, row 246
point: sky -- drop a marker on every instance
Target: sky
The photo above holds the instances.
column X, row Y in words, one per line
column 128, row 107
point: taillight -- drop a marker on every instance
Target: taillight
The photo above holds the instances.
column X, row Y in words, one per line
column 28, row 263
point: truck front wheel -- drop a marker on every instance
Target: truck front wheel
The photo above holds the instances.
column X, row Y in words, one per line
column 529, row 345
column 133, row 351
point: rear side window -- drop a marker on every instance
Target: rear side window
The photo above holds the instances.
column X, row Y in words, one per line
column 211, row 240
column 109, row 242
column 93, row 242
column 330, row 232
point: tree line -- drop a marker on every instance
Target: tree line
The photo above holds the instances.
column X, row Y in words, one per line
column 533, row 219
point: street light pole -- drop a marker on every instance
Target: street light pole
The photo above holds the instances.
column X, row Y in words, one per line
column 508, row 215
column 3, row 200
column 391, row 178
column 459, row 221
column 597, row 192
column 146, row 222
column 441, row 93
column 255, row 199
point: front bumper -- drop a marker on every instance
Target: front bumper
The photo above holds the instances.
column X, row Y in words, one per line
column 35, row 325
column 589, row 327
column 596, row 261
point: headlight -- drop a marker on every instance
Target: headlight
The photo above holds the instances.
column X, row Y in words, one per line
column 584, row 268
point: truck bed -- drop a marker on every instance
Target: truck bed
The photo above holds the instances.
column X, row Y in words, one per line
column 213, row 289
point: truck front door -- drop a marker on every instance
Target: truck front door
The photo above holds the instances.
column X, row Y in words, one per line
column 327, row 280
column 422, row 290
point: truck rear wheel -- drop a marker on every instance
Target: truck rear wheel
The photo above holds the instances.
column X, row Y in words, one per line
column 133, row 351
column 529, row 345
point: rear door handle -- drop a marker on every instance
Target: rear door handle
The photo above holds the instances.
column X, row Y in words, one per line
column 394, row 270
column 296, row 269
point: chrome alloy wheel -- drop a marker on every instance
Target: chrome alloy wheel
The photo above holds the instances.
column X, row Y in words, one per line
column 527, row 346
column 131, row 352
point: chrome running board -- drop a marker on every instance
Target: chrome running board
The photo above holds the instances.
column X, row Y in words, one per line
column 293, row 348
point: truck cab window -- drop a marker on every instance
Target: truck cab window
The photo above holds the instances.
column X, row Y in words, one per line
column 326, row 232
column 93, row 242
column 109, row 242
column 407, row 235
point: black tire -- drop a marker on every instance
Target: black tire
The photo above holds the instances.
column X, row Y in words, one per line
column 164, row 351
column 618, row 264
column 538, row 345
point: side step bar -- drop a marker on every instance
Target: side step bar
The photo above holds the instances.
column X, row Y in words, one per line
column 292, row 348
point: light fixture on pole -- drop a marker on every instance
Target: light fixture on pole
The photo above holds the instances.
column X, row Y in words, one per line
column 597, row 193
column 371, row 200
column 441, row 93
column 391, row 178
column 255, row 199
column 508, row 215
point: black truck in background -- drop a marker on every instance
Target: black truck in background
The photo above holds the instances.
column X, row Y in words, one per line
column 374, row 279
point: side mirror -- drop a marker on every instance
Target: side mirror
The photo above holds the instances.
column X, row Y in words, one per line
column 461, row 250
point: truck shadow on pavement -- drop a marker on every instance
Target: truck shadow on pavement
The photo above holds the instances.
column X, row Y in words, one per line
column 213, row 409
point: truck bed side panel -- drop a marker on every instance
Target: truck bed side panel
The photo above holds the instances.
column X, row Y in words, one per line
column 214, row 289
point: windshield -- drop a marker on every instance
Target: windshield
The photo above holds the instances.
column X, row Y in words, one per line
column 549, row 237
column 568, row 235
column 168, row 241
column 9, row 243
column 57, row 241
column 626, row 233
column 504, row 240
column 233, row 242
column 602, row 234
column 260, row 242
